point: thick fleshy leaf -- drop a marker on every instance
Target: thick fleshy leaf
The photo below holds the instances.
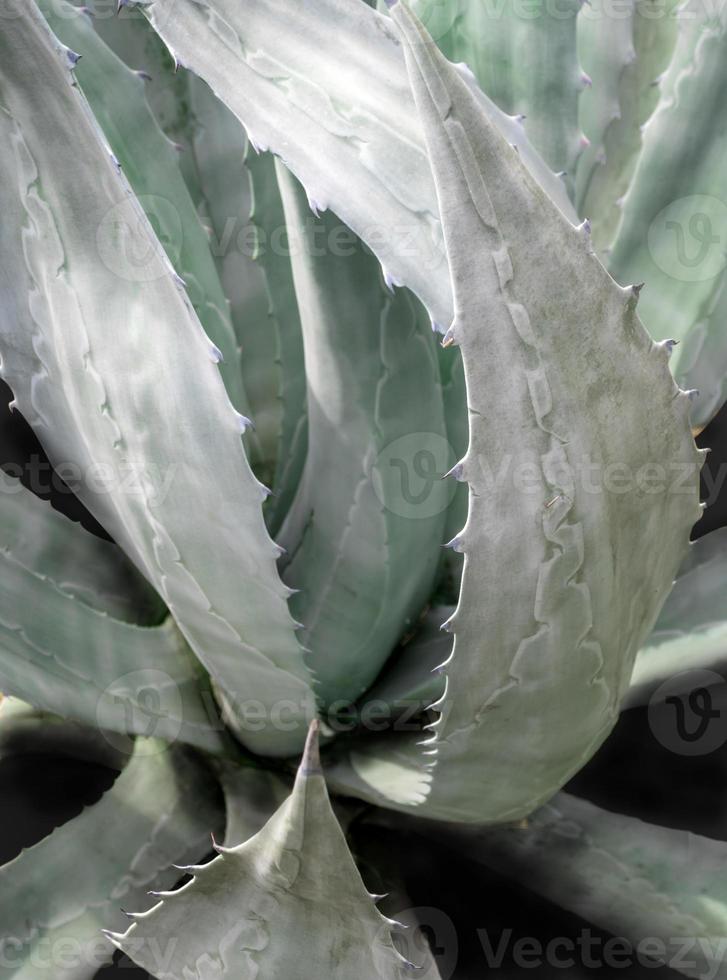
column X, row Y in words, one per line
column 59, row 895
column 691, row 632
column 288, row 902
column 273, row 256
column 552, row 349
column 454, row 394
column 363, row 557
column 663, row 890
column 524, row 59
column 252, row 795
column 75, row 659
column 674, row 218
column 125, row 30
column 116, row 375
column 220, row 151
column 84, row 566
column 625, row 57
column 413, row 680
column 340, row 115
column 150, row 163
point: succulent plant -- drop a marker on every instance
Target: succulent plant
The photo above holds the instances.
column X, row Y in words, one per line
column 291, row 300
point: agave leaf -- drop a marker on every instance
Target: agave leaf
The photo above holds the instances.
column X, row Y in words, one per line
column 552, row 349
column 220, row 150
column 661, row 889
column 524, row 59
column 125, row 30
column 691, row 632
column 674, row 218
column 363, row 558
column 58, row 895
column 250, row 256
column 150, row 163
column 66, row 657
column 288, row 902
column 242, row 200
column 82, row 565
column 252, row 795
column 26, row 731
column 273, row 257
column 339, row 115
column 413, row 679
column 625, row 56
column 117, row 376
column 454, row 394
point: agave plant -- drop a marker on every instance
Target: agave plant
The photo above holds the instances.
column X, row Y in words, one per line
column 228, row 229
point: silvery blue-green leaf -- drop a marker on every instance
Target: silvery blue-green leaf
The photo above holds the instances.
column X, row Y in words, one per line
column 273, row 256
column 81, row 564
column 690, row 636
column 674, row 220
column 625, row 51
column 662, row 890
column 115, row 374
column 412, row 679
column 553, row 350
column 363, row 535
column 252, row 795
column 240, row 202
column 339, row 113
column 72, row 659
column 126, row 31
column 454, row 394
column 220, row 149
column 59, row 895
column 524, row 58
column 150, row 163
column 26, row 731
column 289, row 902
column 391, row 769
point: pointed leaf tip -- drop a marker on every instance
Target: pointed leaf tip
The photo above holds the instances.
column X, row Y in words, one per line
column 311, row 762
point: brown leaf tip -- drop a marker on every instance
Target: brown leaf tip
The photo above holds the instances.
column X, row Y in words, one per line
column 311, row 762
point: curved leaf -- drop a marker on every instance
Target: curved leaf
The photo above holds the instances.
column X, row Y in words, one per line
column 220, row 152
column 413, row 679
column 116, row 375
column 252, row 796
column 674, row 221
column 150, row 163
column 691, row 631
column 58, row 895
column 339, row 115
column 553, row 350
column 663, row 890
column 294, row 904
column 82, row 565
column 273, row 256
column 624, row 56
column 364, row 557
column 70, row 659
column 524, row 58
